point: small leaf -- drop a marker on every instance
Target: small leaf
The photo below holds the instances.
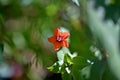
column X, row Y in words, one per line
column 67, row 59
column 54, row 68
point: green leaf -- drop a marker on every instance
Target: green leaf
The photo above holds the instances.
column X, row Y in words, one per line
column 97, row 70
column 76, row 73
column 66, row 76
column 54, row 68
column 78, row 64
column 80, row 61
column 67, row 59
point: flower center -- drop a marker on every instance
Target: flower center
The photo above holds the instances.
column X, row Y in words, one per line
column 59, row 38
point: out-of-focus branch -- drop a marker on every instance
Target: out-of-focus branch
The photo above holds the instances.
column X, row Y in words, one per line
column 108, row 35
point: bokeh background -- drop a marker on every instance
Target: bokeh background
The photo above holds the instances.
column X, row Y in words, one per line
column 25, row 26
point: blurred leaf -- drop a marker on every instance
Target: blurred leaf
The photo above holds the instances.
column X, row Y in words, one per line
column 1, row 52
column 108, row 74
column 97, row 70
column 76, row 72
column 66, row 76
column 78, row 64
column 79, row 61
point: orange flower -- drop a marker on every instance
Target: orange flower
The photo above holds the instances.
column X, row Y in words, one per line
column 59, row 39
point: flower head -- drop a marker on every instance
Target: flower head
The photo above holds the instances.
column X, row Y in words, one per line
column 59, row 39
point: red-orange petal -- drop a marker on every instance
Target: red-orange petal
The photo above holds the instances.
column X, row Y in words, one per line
column 65, row 44
column 57, row 46
column 52, row 39
column 65, row 35
column 57, row 32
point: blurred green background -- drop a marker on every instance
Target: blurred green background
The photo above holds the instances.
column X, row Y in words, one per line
column 25, row 26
